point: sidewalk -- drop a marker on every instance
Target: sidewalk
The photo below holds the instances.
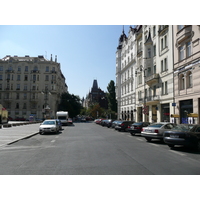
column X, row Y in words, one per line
column 12, row 134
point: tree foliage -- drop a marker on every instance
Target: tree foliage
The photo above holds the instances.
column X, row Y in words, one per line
column 71, row 103
column 111, row 96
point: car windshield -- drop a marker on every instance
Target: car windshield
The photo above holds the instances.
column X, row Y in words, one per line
column 48, row 122
column 136, row 124
column 156, row 125
column 181, row 127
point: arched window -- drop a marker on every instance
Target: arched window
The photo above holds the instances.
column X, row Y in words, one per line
column 189, row 79
column 182, row 82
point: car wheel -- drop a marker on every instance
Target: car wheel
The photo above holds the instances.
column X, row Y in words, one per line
column 132, row 134
column 148, row 139
column 170, row 145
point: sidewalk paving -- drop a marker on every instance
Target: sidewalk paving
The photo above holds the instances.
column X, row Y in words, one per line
column 13, row 134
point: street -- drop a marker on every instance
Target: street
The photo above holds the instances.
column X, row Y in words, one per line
column 89, row 149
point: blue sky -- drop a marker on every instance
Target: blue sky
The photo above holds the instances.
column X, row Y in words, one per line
column 85, row 52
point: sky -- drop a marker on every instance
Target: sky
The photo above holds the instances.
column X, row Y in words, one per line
column 85, row 52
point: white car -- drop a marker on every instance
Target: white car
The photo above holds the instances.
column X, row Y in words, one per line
column 49, row 126
column 156, row 130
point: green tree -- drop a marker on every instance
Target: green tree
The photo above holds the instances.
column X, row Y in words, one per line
column 71, row 103
column 111, row 96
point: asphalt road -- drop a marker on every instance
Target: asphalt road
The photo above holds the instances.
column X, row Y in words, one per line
column 89, row 149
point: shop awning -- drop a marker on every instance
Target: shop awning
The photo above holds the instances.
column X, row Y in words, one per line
column 175, row 115
column 192, row 115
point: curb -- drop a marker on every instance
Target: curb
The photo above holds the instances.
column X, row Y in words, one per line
column 24, row 137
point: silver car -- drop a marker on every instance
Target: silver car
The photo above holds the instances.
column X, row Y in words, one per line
column 49, row 126
column 156, row 130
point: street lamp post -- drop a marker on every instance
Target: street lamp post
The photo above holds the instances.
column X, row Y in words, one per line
column 46, row 107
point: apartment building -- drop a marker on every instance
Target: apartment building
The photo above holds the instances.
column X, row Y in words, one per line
column 31, row 86
column 144, row 84
column 125, row 79
column 186, row 73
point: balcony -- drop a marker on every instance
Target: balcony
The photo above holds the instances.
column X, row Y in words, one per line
column 153, row 79
column 9, row 71
column 163, row 29
column 150, row 100
column 184, row 34
column 35, row 71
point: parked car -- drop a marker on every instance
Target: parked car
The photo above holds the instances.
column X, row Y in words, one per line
column 69, row 121
column 137, row 127
column 123, row 125
column 114, row 123
column 109, row 123
column 103, row 122
column 184, row 134
column 156, row 130
column 49, row 126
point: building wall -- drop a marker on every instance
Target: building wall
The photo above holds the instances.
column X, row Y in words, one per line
column 29, row 84
column 187, row 71
column 125, row 79
column 153, row 89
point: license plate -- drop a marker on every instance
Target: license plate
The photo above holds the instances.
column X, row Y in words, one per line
column 174, row 136
column 147, row 130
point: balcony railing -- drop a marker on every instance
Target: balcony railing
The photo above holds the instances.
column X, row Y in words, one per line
column 152, row 79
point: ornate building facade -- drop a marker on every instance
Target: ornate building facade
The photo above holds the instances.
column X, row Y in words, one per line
column 31, row 86
column 96, row 95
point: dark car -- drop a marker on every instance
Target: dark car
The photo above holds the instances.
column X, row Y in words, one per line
column 184, row 135
column 104, row 122
column 123, row 125
column 109, row 123
column 137, row 127
column 114, row 123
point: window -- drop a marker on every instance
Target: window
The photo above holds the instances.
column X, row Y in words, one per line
column 182, row 82
column 25, row 87
column 164, row 88
column 154, row 31
column 149, row 52
column 26, row 77
column 19, row 69
column 140, row 79
column 17, row 96
column 18, row 86
column 165, row 65
column 24, row 106
column 34, row 77
column 1, row 77
column 17, row 105
column 25, row 96
column 26, row 68
column 162, row 44
column 188, row 49
column 154, row 50
column 181, row 53
column 165, row 40
column 154, row 69
column 1, row 68
column 18, row 77
column 180, row 27
column 47, row 68
column 189, row 79
column 154, row 90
